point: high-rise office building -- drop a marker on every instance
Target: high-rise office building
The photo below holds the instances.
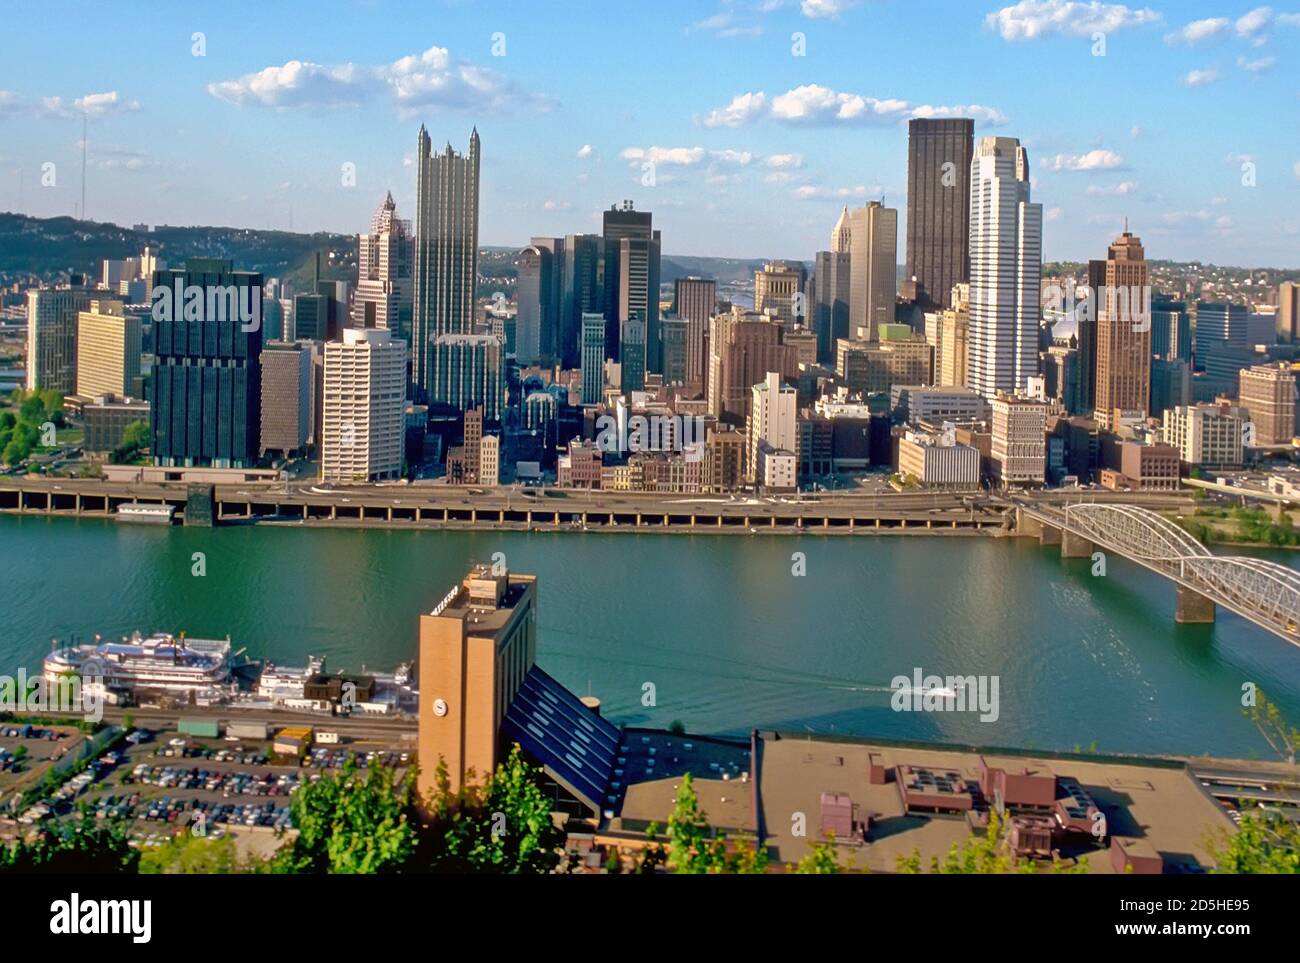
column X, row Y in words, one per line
column 1288, row 312
column 206, row 387
column 1019, row 443
column 1171, row 330
column 842, row 233
column 1123, row 334
column 672, row 350
column 773, row 420
column 551, row 285
column 778, row 291
column 954, row 339
column 695, row 300
column 384, row 256
column 52, row 336
column 1006, row 243
column 1171, row 385
column 108, row 350
column 938, row 206
column 286, row 397
column 363, row 408
column 469, row 372
column 581, row 292
column 873, row 269
column 830, row 299
column 631, row 264
column 1268, row 393
column 445, row 264
column 593, row 357
column 632, row 354
column 742, row 349
column 533, row 322
column 1219, row 325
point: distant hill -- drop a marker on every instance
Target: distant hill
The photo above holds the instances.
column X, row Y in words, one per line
column 53, row 247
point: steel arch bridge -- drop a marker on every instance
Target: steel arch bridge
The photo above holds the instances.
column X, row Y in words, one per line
column 1264, row 592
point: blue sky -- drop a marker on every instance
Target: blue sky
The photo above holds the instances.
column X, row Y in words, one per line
column 756, row 138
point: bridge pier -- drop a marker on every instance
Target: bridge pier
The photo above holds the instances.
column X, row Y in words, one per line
column 1029, row 526
column 1047, row 535
column 1075, row 546
column 1193, row 608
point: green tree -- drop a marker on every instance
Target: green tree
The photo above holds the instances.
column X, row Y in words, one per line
column 694, row 847
column 135, row 438
column 80, row 846
column 1281, row 736
column 823, row 860
column 1266, row 842
column 358, row 821
column 504, row 826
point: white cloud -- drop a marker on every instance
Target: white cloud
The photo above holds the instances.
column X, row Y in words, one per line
column 1094, row 160
column 1250, row 25
column 10, row 103
column 1295, row 169
column 1113, row 190
column 817, row 9
column 985, row 116
column 813, row 104
column 784, row 161
column 726, row 24
column 584, row 152
column 1135, row 131
column 431, row 79
column 1055, row 213
column 91, row 105
column 1199, row 31
column 741, row 157
column 1201, row 78
column 1262, row 65
column 664, row 156
column 1239, row 159
column 1030, row 19
column 742, row 109
column 809, row 192
column 550, row 205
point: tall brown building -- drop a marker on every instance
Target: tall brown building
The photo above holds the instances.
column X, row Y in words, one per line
column 1288, row 312
column 742, row 349
column 695, row 299
column 1268, row 393
column 938, row 206
column 1123, row 333
column 476, row 646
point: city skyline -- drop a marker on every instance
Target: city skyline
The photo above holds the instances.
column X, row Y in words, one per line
column 758, row 119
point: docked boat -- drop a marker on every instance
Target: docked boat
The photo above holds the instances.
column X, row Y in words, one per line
column 148, row 513
column 199, row 670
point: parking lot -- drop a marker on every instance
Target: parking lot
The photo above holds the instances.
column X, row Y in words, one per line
column 27, row 751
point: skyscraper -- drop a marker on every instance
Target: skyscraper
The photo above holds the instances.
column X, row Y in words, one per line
column 1123, row 333
column 206, row 390
column 830, row 291
column 593, row 357
column 938, row 206
column 108, row 350
column 384, row 254
column 551, row 284
column 469, row 372
column 535, row 297
column 695, row 300
column 778, row 291
column 631, row 277
column 286, row 397
column 1006, row 240
column 873, row 269
column 580, row 293
column 742, row 349
column 1288, row 312
column 364, row 425
column 52, row 336
column 445, row 264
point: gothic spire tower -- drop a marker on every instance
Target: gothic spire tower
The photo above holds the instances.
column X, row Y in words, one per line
column 446, row 251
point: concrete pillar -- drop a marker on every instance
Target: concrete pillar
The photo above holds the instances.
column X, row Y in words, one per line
column 1027, row 524
column 1193, row 608
column 1047, row 535
column 1075, row 546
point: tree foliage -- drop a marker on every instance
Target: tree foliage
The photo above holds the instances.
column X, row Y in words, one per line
column 1282, row 737
column 194, row 855
column 1266, row 842
column 82, row 846
column 982, row 854
column 693, row 846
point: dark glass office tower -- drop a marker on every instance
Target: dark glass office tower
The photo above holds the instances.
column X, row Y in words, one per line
column 631, row 266
column 938, row 207
column 206, row 389
column 580, row 292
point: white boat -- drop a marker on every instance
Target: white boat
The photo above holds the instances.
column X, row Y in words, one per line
column 161, row 662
